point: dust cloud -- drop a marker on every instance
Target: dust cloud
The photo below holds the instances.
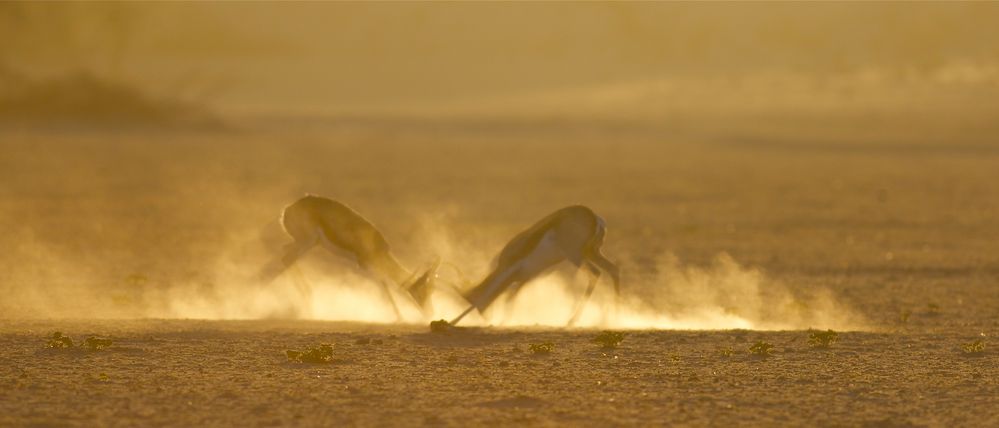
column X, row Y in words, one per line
column 722, row 295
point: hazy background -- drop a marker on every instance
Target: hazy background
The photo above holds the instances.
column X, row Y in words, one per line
column 835, row 149
column 358, row 58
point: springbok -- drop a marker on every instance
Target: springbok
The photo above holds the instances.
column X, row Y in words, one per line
column 573, row 234
column 342, row 231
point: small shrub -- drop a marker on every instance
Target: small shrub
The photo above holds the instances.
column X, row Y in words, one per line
column 932, row 309
column 542, row 348
column 94, row 343
column 726, row 352
column 59, row 341
column 91, row 343
column 322, row 354
column 440, row 326
column 761, row 349
column 609, row 339
column 822, row 339
column 974, row 348
column 136, row 280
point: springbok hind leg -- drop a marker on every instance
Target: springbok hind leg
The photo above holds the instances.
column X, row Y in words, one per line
column 386, row 290
column 594, row 278
column 510, row 299
column 290, row 254
column 304, row 290
column 615, row 273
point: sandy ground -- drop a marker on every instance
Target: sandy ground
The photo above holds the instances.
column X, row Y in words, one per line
column 106, row 234
column 203, row 373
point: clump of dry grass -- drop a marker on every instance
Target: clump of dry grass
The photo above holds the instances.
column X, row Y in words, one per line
column 94, row 343
column 608, row 339
column 973, row 348
column 543, row 348
column 59, row 341
column 932, row 309
column 322, row 354
column 822, row 339
column 903, row 316
column 91, row 343
column 440, row 326
column 761, row 349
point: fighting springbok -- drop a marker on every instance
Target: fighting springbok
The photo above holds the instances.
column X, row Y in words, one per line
column 315, row 220
column 573, row 234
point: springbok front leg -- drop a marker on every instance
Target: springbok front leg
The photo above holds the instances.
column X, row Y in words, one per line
column 483, row 295
column 594, row 278
column 290, row 254
column 304, row 288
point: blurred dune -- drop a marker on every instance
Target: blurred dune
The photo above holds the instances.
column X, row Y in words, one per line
column 83, row 100
column 62, row 68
